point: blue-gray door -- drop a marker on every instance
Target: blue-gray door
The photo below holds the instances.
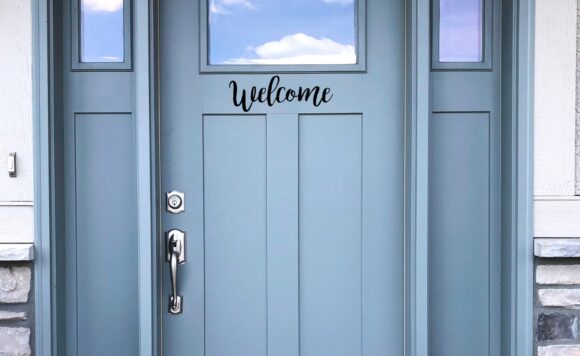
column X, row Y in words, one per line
column 293, row 202
column 465, row 153
column 283, row 124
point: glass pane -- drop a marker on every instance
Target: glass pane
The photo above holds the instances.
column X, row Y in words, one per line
column 461, row 30
column 102, row 30
column 262, row 32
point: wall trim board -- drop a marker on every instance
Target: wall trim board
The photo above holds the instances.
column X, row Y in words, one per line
column 557, row 216
column 46, row 338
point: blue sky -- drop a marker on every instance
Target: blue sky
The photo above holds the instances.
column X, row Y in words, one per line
column 102, row 31
column 460, row 31
column 282, row 31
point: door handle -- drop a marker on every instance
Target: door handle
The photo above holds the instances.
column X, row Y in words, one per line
column 175, row 255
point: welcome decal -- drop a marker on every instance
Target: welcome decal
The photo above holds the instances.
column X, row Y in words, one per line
column 274, row 94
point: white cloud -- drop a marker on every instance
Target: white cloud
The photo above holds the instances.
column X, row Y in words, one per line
column 219, row 7
column 111, row 59
column 300, row 48
column 245, row 3
column 102, row 5
column 340, row 2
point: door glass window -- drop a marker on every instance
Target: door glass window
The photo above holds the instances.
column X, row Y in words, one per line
column 102, row 31
column 461, row 31
column 281, row 32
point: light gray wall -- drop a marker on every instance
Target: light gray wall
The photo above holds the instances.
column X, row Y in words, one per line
column 16, row 194
column 556, row 207
column 578, row 101
column 555, row 72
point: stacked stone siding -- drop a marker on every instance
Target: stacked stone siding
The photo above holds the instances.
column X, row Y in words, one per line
column 16, row 309
column 557, row 297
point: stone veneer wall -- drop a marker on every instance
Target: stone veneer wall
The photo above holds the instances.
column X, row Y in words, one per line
column 557, row 297
column 16, row 300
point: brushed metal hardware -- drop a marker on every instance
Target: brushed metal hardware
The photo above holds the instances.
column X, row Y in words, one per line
column 175, row 255
column 175, row 202
column 12, row 164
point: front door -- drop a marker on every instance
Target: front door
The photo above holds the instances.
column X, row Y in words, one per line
column 282, row 123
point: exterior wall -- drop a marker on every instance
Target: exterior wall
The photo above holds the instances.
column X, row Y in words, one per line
column 578, row 102
column 16, row 193
column 557, row 178
column 555, row 71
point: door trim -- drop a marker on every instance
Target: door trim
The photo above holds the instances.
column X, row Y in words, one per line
column 147, row 177
column 416, row 301
column 518, row 21
column 520, row 258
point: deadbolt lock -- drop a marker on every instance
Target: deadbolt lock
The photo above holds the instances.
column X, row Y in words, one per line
column 175, row 202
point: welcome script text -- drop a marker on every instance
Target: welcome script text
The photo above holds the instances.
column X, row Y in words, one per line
column 274, row 93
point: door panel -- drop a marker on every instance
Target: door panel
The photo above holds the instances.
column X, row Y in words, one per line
column 235, row 234
column 460, row 233
column 294, row 212
column 105, row 253
column 282, row 254
column 96, row 281
column 465, row 196
column 330, row 183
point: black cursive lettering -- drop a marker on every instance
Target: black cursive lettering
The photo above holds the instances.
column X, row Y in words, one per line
column 275, row 94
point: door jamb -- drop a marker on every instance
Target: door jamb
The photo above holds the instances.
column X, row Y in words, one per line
column 521, row 257
column 48, row 326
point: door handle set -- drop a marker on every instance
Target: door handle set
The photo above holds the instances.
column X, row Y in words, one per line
column 175, row 249
column 175, row 255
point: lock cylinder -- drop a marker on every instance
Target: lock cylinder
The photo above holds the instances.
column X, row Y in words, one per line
column 175, row 202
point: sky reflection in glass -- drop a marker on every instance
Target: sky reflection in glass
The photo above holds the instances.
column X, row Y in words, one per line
column 264, row 32
column 102, row 31
column 461, row 31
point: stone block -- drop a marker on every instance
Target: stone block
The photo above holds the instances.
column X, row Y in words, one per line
column 15, row 342
column 558, row 274
column 559, row 297
column 16, row 252
column 557, row 326
column 10, row 315
column 557, row 247
column 14, row 284
column 559, row 350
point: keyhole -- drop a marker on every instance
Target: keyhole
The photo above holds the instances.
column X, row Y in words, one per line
column 175, row 201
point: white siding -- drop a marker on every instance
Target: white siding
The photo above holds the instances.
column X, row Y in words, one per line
column 555, row 97
column 578, row 102
column 16, row 220
column 556, row 207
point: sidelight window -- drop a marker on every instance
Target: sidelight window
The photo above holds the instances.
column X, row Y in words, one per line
column 462, row 34
column 102, row 36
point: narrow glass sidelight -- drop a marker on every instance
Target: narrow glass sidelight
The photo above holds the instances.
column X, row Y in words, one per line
column 461, row 31
column 280, row 32
column 102, row 31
